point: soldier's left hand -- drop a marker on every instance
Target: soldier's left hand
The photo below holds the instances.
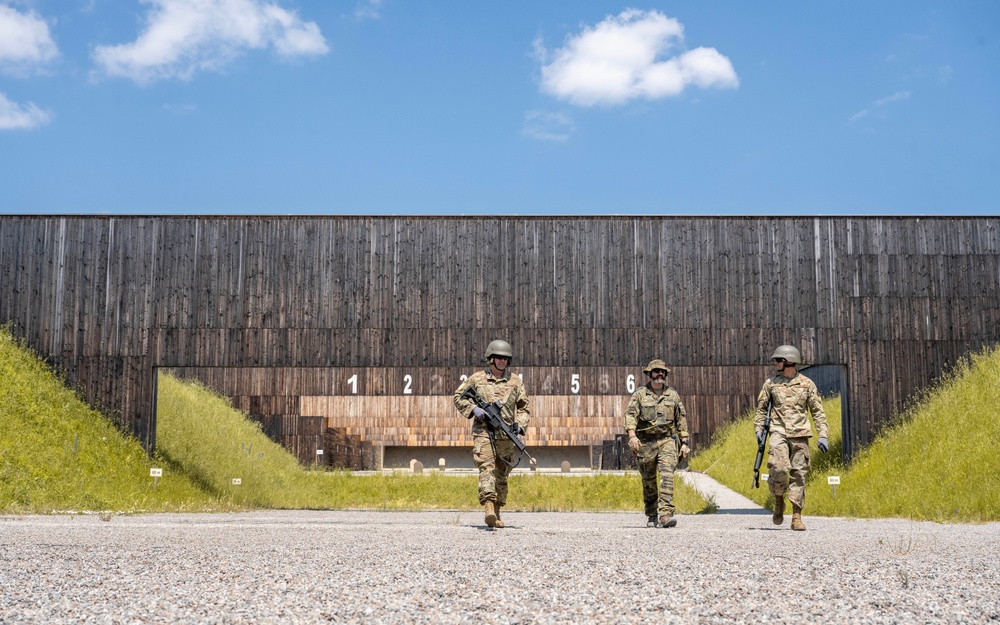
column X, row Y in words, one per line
column 685, row 451
column 518, row 430
column 824, row 446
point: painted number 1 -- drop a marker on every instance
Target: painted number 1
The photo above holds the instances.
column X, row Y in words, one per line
column 353, row 381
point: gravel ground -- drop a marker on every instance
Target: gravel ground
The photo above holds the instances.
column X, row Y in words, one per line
column 447, row 567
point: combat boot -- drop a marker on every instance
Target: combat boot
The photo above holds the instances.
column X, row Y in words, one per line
column 797, row 523
column 667, row 520
column 499, row 522
column 651, row 520
column 779, row 510
column 491, row 514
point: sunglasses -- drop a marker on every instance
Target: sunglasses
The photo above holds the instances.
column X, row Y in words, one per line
column 501, row 358
column 660, row 371
column 780, row 360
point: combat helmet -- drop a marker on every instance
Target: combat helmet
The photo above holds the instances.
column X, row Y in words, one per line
column 498, row 348
column 789, row 353
column 656, row 363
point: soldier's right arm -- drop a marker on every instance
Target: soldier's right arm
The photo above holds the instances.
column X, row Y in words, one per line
column 632, row 413
column 464, row 406
column 762, row 400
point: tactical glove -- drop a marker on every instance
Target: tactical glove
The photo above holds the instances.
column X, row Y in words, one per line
column 633, row 444
column 824, row 446
column 479, row 413
column 760, row 437
column 518, row 430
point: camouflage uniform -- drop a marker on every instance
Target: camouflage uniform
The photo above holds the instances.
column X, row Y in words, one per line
column 657, row 419
column 793, row 399
column 509, row 390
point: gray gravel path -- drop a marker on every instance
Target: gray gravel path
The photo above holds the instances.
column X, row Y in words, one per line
column 446, row 567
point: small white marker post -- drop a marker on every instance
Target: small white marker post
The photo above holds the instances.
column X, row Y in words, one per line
column 237, row 481
column 763, row 476
column 155, row 474
column 833, row 480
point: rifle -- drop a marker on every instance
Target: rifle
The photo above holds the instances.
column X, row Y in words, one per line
column 761, row 445
column 494, row 422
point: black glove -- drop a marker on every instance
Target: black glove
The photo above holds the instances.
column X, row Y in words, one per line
column 824, row 446
column 517, row 429
column 479, row 413
column 760, row 437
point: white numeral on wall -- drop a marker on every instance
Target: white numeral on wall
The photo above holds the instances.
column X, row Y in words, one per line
column 407, row 381
column 574, row 384
column 353, row 381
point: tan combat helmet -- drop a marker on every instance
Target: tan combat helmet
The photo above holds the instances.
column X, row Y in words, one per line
column 789, row 353
column 498, row 348
column 656, row 363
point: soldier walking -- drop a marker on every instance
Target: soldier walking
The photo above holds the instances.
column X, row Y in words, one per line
column 495, row 459
column 655, row 419
column 792, row 397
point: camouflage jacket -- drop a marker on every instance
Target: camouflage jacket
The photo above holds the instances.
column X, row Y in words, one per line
column 655, row 416
column 793, row 400
column 508, row 389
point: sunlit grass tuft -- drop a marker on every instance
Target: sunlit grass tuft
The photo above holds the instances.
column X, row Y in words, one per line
column 57, row 454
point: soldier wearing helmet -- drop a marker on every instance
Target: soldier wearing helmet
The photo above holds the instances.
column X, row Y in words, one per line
column 495, row 460
column 655, row 420
column 792, row 397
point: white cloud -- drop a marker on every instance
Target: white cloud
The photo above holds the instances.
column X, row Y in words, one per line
column 184, row 36
column 622, row 58
column 14, row 116
column 25, row 42
column 880, row 104
column 896, row 97
column 369, row 9
column 547, row 126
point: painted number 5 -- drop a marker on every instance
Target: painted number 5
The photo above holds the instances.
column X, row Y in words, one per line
column 574, row 384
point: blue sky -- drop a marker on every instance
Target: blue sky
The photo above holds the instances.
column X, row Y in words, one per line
column 523, row 108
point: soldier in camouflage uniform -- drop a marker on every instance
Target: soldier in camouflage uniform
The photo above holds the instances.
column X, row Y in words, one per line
column 792, row 397
column 496, row 460
column 654, row 420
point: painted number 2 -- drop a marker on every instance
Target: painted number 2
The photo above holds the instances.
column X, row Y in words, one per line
column 407, row 381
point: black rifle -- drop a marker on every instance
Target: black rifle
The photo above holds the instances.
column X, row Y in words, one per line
column 494, row 421
column 761, row 445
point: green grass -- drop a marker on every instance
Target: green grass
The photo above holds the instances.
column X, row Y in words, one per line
column 937, row 462
column 58, row 454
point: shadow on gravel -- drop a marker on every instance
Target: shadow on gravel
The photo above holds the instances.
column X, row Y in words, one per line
column 744, row 511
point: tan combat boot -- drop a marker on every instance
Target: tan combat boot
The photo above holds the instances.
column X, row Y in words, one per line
column 491, row 514
column 797, row 523
column 499, row 520
column 779, row 510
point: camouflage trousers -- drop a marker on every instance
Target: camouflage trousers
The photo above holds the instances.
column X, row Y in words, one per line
column 493, row 472
column 658, row 455
column 787, row 466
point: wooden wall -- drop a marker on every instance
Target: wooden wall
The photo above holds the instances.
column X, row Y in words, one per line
column 110, row 299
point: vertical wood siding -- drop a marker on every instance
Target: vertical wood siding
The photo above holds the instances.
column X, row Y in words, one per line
column 281, row 306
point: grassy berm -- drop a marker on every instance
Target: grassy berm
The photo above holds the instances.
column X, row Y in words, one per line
column 937, row 462
column 57, row 454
